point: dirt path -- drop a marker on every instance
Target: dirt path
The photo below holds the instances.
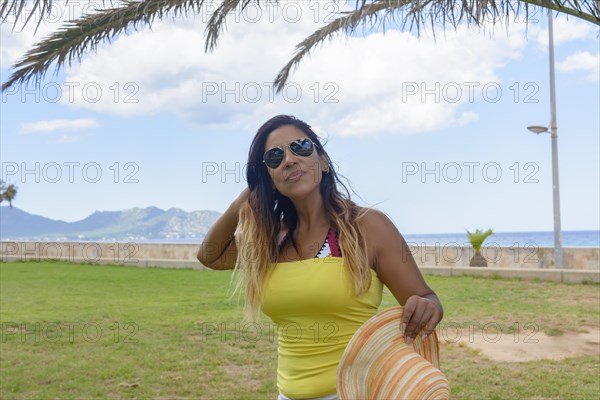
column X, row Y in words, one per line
column 536, row 347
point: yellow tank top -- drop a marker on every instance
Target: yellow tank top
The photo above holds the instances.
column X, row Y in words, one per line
column 313, row 304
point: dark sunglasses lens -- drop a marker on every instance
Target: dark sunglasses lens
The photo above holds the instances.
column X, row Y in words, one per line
column 273, row 157
column 302, row 147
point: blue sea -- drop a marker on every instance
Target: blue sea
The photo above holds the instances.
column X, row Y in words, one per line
column 510, row 239
column 504, row 239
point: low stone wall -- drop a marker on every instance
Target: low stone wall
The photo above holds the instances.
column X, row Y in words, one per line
column 585, row 258
column 581, row 264
column 102, row 253
column 440, row 256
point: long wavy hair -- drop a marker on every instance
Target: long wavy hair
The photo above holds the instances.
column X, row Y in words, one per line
column 267, row 212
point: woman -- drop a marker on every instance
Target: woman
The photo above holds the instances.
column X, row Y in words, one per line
column 311, row 259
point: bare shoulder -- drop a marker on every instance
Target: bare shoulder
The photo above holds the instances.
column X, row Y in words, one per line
column 376, row 224
column 379, row 232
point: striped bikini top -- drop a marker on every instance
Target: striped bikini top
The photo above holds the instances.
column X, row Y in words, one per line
column 330, row 247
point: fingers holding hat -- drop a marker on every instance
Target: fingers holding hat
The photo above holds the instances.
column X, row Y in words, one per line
column 419, row 314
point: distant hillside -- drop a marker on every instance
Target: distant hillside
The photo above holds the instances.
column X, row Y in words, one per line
column 149, row 223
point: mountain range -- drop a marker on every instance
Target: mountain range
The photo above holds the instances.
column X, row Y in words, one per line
column 150, row 223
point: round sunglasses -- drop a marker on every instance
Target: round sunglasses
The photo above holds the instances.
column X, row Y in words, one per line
column 301, row 147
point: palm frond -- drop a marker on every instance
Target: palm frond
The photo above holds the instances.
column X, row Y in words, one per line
column 216, row 23
column 16, row 8
column 39, row 8
column 478, row 237
column 414, row 14
column 79, row 36
column 347, row 23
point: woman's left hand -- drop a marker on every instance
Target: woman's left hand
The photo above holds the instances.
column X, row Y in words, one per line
column 419, row 313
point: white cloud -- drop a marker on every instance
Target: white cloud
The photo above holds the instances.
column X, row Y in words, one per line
column 342, row 93
column 357, row 85
column 582, row 61
column 58, row 125
column 467, row 117
column 402, row 84
column 566, row 30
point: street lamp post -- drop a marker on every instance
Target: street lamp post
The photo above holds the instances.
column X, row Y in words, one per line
column 558, row 251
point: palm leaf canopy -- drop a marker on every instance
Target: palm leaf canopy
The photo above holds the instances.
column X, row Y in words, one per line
column 75, row 38
column 7, row 193
column 478, row 237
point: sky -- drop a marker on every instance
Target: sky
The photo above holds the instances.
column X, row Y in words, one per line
column 430, row 130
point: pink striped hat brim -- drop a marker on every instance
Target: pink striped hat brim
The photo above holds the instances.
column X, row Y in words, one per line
column 377, row 364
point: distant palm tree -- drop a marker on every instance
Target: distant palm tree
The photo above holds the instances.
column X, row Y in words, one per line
column 77, row 37
column 7, row 193
column 476, row 239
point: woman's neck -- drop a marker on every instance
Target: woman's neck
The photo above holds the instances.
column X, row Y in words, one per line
column 311, row 214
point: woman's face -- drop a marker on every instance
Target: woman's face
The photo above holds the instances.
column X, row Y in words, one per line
column 296, row 176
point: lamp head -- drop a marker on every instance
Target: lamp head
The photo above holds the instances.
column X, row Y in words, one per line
column 537, row 129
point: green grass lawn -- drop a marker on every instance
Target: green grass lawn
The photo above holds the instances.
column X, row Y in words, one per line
column 89, row 331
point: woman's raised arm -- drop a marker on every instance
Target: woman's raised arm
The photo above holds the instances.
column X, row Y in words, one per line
column 218, row 249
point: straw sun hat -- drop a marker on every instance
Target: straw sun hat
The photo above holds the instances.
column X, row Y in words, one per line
column 377, row 364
